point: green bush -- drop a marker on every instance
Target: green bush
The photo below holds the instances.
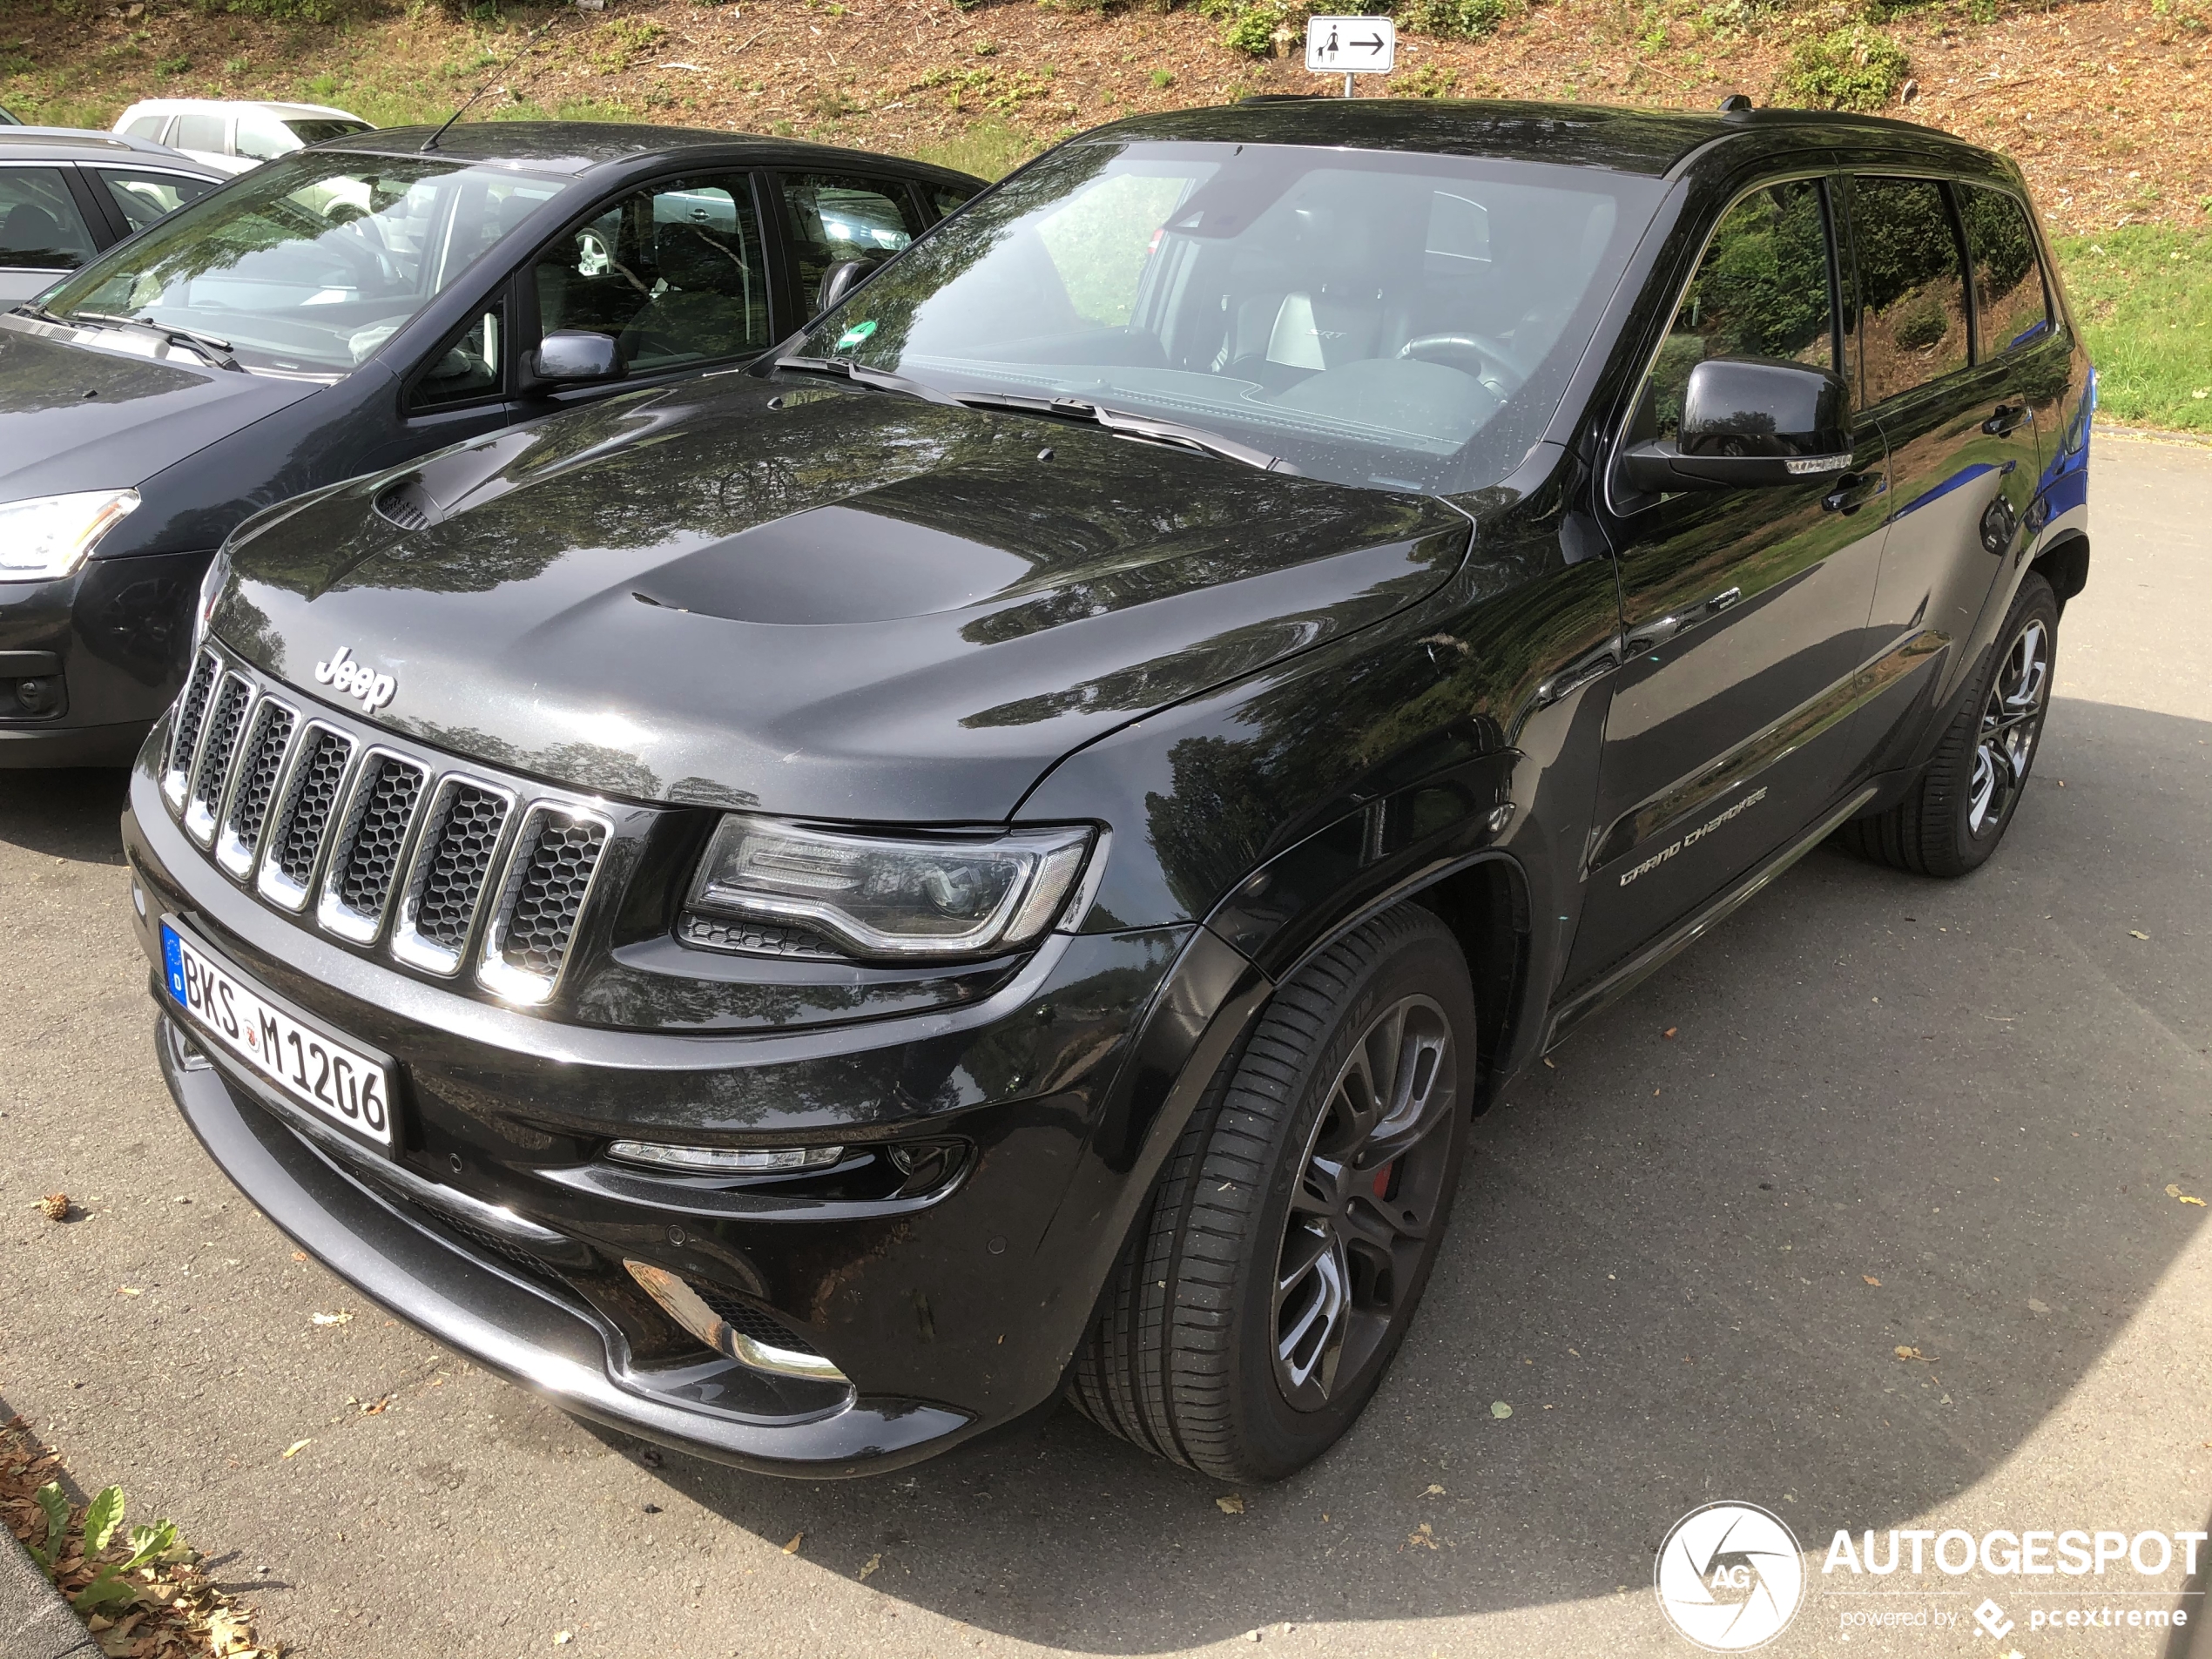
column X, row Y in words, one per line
column 1253, row 29
column 1852, row 68
column 282, row 10
column 1455, row 19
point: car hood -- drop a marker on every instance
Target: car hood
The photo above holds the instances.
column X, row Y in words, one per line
column 822, row 602
column 117, row 409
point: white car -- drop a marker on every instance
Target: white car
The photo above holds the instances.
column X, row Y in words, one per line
column 234, row 134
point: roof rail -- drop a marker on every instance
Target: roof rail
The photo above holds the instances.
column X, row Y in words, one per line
column 116, row 140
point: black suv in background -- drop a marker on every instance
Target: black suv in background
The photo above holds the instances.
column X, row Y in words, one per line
column 347, row 307
column 805, row 913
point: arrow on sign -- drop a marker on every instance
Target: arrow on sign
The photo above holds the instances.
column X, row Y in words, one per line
column 1374, row 44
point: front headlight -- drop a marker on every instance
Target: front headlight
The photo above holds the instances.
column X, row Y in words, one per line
column 49, row 536
column 948, row 896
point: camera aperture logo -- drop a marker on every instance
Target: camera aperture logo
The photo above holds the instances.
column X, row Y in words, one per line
column 1730, row 1577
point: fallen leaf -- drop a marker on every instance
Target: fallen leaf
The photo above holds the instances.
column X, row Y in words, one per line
column 873, row 1561
column 561, row 1638
column 296, row 1447
column 1499, row 1408
column 1230, row 1504
column 1871, row 1279
column 1914, row 1353
column 128, row 1290
column 1435, row 1491
column 1421, row 1537
column 1670, row 1031
column 376, row 1407
column 791, row 1548
column 55, row 1206
column 2136, row 934
column 333, row 1318
column 298, row 1254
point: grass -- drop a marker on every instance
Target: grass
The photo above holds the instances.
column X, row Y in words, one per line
column 988, row 149
column 2144, row 295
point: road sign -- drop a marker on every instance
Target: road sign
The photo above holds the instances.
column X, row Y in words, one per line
column 1350, row 46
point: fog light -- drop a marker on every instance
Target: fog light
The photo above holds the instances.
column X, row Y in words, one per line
column 35, row 695
column 725, row 1160
column 682, row 1303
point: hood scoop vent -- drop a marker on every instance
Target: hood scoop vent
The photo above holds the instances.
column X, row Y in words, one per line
column 407, row 504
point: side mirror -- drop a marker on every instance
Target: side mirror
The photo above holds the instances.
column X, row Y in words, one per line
column 838, row 281
column 569, row 356
column 1750, row 423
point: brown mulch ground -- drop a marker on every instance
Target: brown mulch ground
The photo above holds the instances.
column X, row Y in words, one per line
column 2106, row 103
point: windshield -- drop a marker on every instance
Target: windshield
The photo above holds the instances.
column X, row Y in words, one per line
column 308, row 264
column 1397, row 320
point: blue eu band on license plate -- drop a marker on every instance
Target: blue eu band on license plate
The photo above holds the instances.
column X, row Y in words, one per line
column 324, row 1073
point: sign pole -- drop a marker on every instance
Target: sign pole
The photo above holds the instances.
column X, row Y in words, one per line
column 1348, row 86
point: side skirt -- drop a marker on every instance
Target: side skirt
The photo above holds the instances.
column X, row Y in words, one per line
column 1632, row 971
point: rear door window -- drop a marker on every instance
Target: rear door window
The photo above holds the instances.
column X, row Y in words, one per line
column 147, row 126
column 145, row 197
column 2012, row 309
column 1912, row 284
column 836, row 216
column 40, row 226
column 206, row 133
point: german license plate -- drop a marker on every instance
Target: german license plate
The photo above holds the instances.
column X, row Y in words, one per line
column 331, row 1077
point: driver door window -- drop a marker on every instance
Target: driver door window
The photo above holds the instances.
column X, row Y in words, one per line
column 673, row 272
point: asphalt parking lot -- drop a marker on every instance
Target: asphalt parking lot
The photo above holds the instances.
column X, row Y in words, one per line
column 1981, row 1094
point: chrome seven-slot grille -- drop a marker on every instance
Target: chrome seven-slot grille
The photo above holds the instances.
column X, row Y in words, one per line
column 374, row 844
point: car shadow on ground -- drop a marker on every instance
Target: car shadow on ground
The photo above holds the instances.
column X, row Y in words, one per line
column 68, row 814
column 1872, row 1113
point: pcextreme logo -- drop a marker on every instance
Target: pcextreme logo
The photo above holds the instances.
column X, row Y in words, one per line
column 1729, row 1577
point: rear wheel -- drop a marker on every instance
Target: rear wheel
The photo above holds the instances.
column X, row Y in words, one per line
column 1258, row 1302
column 1956, row 811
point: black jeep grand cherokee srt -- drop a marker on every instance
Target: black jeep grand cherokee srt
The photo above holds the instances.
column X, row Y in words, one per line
column 806, row 911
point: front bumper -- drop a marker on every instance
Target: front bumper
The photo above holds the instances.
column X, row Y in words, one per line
column 116, row 635
column 951, row 1313
column 507, row 1321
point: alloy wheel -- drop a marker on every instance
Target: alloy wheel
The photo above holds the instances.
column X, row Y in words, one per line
column 2011, row 720
column 1369, row 1183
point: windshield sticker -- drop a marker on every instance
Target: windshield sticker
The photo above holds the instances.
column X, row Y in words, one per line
column 855, row 335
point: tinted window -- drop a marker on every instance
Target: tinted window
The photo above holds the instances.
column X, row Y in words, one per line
column 1319, row 305
column 199, row 133
column 145, row 197
column 466, row 368
column 674, row 272
column 2009, row 303
column 1761, row 290
column 1912, row 290
column 314, row 132
column 147, row 126
column 40, row 226
column 945, row 198
column 835, row 219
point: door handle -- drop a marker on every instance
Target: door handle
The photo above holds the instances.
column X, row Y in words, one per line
column 2005, row 418
column 1853, row 491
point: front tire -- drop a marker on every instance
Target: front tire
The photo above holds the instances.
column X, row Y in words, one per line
column 1957, row 811
column 1260, row 1299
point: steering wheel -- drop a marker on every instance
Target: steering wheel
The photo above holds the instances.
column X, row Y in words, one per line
column 1486, row 360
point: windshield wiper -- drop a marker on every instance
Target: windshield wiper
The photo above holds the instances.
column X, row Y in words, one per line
column 1135, row 426
column 217, row 351
column 860, row 374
